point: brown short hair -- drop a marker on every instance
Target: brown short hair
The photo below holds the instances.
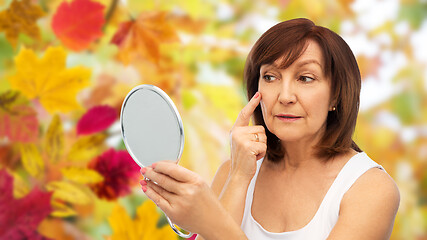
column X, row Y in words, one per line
column 288, row 40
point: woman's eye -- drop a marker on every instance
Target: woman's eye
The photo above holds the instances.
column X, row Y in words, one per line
column 306, row 79
column 269, row 78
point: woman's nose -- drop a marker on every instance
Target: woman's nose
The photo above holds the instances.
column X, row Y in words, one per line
column 287, row 93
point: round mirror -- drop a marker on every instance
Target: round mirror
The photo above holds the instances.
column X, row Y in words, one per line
column 152, row 129
column 151, row 126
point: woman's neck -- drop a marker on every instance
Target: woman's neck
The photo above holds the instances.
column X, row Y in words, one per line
column 299, row 155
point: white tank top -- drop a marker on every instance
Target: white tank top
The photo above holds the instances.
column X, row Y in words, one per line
column 326, row 216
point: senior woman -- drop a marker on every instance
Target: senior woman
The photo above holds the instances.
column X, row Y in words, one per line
column 296, row 173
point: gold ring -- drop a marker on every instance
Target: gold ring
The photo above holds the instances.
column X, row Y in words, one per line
column 256, row 137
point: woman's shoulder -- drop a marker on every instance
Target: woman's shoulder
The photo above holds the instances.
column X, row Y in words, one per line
column 369, row 207
column 371, row 203
column 375, row 183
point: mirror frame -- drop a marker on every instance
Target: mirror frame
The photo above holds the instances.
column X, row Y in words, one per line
column 171, row 105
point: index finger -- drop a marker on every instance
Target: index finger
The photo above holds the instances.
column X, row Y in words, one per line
column 248, row 110
column 173, row 170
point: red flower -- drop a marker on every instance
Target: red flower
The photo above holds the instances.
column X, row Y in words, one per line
column 119, row 171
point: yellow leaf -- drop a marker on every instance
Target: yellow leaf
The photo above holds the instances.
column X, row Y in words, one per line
column 120, row 222
column 21, row 16
column 87, row 147
column 70, row 192
column 143, row 227
column 82, row 175
column 31, row 159
column 48, row 80
column 61, row 210
column 54, row 140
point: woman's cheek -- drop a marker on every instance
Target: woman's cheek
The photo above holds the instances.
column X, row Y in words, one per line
column 263, row 109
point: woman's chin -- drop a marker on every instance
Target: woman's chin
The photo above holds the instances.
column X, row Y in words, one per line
column 289, row 137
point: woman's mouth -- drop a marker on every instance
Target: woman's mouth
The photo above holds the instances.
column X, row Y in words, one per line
column 288, row 117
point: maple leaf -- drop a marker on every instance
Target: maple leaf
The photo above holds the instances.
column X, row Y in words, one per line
column 79, row 23
column 18, row 121
column 48, row 80
column 144, row 226
column 119, row 171
column 96, row 119
column 19, row 218
column 21, row 16
column 142, row 37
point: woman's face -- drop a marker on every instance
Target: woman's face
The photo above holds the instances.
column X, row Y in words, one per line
column 296, row 100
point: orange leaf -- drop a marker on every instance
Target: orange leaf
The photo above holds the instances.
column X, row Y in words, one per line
column 79, row 23
column 144, row 36
column 21, row 16
column 102, row 90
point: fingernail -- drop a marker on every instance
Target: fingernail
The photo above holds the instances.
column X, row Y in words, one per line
column 256, row 95
column 153, row 165
column 143, row 170
column 144, row 188
column 143, row 183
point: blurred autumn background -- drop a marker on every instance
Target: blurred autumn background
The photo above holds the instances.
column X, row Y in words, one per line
column 66, row 66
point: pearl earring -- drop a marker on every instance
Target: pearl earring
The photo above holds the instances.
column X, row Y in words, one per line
column 334, row 108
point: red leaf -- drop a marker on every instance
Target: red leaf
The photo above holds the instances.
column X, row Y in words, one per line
column 96, row 119
column 19, row 218
column 78, row 23
column 119, row 172
column 18, row 121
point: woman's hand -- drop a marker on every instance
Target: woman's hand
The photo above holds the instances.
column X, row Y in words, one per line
column 185, row 198
column 248, row 143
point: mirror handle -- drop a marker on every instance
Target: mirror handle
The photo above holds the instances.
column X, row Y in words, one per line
column 181, row 234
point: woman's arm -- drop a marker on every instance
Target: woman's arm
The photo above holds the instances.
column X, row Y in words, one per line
column 220, row 189
column 248, row 144
column 231, row 191
column 368, row 209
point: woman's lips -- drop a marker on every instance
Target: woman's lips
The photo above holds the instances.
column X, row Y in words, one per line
column 288, row 118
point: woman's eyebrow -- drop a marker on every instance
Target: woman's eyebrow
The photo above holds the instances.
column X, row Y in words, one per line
column 299, row 64
column 309, row 61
